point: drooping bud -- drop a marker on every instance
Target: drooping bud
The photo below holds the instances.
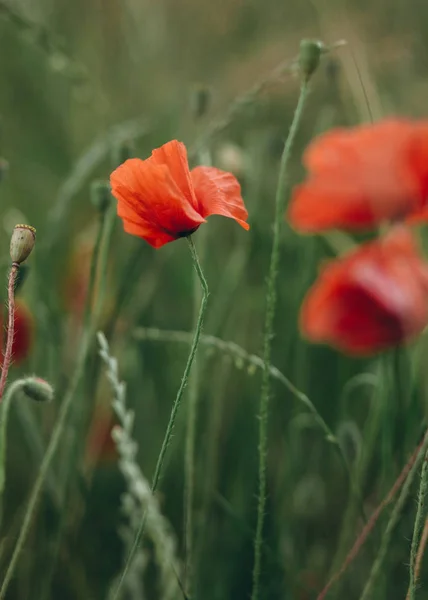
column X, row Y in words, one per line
column 21, row 243
column 310, row 56
column 37, row 389
column 200, row 101
column 101, row 195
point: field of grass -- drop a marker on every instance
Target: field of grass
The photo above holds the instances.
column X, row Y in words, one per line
column 107, row 321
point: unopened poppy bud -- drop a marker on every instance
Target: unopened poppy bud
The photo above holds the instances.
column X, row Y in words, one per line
column 22, row 243
column 200, row 101
column 309, row 57
column 100, row 195
column 37, row 389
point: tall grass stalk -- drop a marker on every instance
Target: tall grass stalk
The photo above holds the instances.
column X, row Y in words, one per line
column 406, row 474
column 88, row 333
column 174, row 411
column 392, row 523
column 138, row 497
column 418, row 527
column 192, row 415
column 420, row 554
column 269, row 323
column 10, row 393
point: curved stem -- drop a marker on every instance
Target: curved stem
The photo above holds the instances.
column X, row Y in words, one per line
column 267, row 346
column 10, row 328
column 419, row 521
column 89, row 328
column 174, row 411
column 3, row 439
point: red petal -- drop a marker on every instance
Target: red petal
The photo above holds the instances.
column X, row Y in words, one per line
column 151, row 204
column 373, row 298
column 363, row 176
column 219, row 193
column 174, row 155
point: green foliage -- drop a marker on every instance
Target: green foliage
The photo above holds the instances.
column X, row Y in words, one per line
column 85, row 82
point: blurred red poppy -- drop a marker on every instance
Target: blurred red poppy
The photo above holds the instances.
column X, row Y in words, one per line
column 373, row 298
column 161, row 200
column 23, row 332
column 363, row 176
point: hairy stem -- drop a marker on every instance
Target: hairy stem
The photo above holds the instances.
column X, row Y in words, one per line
column 174, row 411
column 392, row 523
column 404, row 476
column 7, row 359
column 419, row 521
column 267, row 346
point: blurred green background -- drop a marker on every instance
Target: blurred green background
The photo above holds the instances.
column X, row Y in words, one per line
column 78, row 80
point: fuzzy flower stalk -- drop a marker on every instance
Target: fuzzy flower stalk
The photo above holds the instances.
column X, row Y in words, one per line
column 21, row 244
column 160, row 199
column 310, row 54
column 138, row 499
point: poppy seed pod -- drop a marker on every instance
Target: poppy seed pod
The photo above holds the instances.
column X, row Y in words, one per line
column 22, row 243
column 37, row 389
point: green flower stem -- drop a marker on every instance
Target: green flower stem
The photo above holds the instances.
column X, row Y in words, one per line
column 174, row 411
column 189, row 458
column 89, row 328
column 392, row 523
column 10, row 392
column 267, row 346
column 419, row 523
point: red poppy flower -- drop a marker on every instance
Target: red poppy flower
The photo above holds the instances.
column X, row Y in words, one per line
column 373, row 298
column 363, row 176
column 23, row 332
column 161, row 200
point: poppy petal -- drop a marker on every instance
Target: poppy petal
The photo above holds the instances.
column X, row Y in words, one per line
column 370, row 299
column 148, row 196
column 173, row 154
column 363, row 176
column 219, row 193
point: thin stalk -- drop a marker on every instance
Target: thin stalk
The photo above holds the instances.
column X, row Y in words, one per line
column 267, row 346
column 420, row 554
column 368, row 528
column 189, row 457
column 174, row 411
column 392, row 523
column 7, row 359
column 89, row 329
column 192, row 416
column 419, row 522
column 240, row 354
column 10, row 392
